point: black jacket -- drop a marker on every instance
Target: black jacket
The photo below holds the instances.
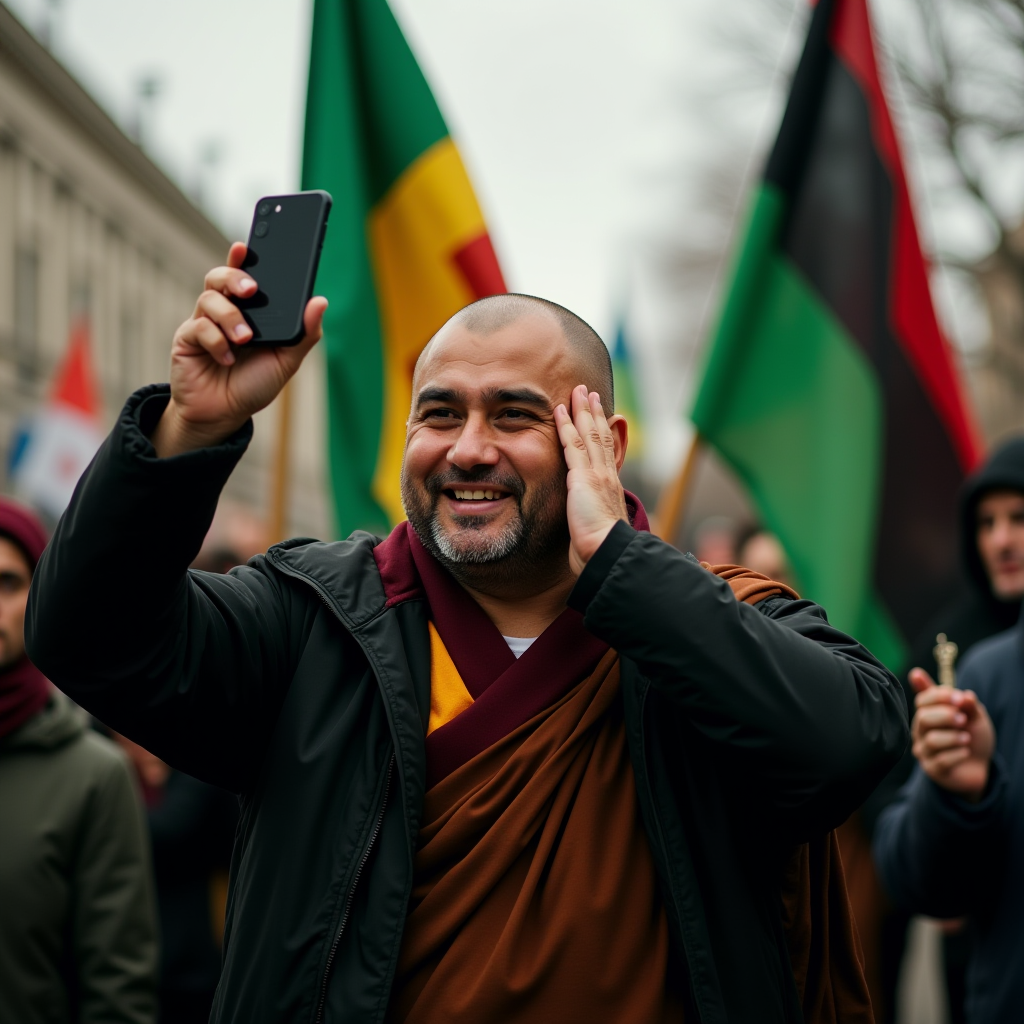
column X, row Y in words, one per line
column 942, row 856
column 290, row 682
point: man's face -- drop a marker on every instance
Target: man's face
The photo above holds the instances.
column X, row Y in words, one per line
column 483, row 480
column 1001, row 542
column 15, row 576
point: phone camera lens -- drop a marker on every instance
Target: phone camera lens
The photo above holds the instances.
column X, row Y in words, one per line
column 264, row 208
column 261, row 229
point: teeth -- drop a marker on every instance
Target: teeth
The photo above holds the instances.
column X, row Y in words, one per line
column 477, row 495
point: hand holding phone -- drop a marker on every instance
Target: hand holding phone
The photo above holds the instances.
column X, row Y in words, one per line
column 218, row 377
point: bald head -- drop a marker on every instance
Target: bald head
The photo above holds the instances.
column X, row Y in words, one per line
column 492, row 314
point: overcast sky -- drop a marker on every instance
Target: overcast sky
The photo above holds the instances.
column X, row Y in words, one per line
column 565, row 110
column 582, row 123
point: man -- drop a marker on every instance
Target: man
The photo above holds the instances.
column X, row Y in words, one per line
column 951, row 844
column 77, row 921
column 992, row 552
column 991, row 518
column 519, row 761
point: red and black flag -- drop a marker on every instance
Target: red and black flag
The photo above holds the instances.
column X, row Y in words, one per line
column 828, row 386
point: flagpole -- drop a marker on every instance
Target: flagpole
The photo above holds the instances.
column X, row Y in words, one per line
column 672, row 503
column 279, row 476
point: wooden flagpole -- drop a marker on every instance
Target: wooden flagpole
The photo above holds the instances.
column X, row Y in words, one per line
column 278, row 505
column 672, row 504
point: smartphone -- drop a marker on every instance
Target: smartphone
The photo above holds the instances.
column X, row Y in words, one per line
column 285, row 240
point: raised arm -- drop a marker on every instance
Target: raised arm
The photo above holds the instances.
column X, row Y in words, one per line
column 812, row 720
column 192, row 666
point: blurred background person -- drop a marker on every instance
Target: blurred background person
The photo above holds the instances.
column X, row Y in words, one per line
column 760, row 550
column 992, row 549
column 952, row 843
column 78, row 938
column 992, row 539
column 991, row 519
column 714, row 541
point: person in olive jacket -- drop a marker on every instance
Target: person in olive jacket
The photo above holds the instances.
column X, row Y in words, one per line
column 519, row 761
column 78, row 936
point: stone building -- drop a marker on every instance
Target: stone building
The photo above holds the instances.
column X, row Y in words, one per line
column 90, row 226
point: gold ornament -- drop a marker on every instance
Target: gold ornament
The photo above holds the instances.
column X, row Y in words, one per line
column 945, row 652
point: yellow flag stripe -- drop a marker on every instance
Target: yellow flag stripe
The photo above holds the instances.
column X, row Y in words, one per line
column 428, row 215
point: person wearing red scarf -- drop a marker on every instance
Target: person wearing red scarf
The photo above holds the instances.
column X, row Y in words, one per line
column 77, row 921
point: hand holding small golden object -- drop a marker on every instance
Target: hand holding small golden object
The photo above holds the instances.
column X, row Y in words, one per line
column 945, row 652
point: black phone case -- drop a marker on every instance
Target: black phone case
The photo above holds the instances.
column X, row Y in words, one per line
column 285, row 241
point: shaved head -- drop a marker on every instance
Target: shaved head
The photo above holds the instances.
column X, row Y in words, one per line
column 490, row 315
column 484, row 474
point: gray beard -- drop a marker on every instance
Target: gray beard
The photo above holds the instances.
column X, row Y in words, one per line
column 530, row 555
column 503, row 546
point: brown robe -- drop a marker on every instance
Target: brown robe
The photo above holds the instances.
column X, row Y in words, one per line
column 535, row 894
column 536, row 897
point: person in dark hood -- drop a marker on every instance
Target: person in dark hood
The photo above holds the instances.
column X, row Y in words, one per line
column 992, row 549
column 992, row 554
column 950, row 844
column 77, row 916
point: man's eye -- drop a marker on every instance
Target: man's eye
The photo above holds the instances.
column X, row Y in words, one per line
column 439, row 414
column 515, row 414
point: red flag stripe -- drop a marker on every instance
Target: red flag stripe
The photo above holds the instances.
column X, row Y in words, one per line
column 913, row 316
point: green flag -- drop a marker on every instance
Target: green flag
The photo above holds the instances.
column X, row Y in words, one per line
column 406, row 248
column 828, row 386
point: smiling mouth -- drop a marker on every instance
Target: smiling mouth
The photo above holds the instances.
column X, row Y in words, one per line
column 478, row 494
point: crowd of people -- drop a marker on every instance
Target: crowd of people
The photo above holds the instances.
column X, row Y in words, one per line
column 521, row 760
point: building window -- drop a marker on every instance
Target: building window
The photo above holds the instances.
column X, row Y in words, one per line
column 26, row 311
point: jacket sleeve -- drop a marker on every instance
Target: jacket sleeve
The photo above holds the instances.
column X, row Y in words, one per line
column 938, row 854
column 809, row 720
column 192, row 666
column 114, row 922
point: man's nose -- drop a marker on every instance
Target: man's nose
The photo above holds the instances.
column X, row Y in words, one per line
column 475, row 445
column 1002, row 535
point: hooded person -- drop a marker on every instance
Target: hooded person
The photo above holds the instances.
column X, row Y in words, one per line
column 77, row 925
column 992, row 558
column 950, row 843
column 988, row 604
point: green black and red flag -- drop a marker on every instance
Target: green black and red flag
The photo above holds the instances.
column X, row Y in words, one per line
column 828, row 386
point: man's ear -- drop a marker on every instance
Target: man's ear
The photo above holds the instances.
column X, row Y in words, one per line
column 620, row 434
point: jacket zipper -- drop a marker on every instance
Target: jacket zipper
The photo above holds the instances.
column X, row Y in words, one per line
column 347, row 911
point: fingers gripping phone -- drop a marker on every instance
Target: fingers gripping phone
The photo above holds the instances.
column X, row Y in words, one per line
column 285, row 240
